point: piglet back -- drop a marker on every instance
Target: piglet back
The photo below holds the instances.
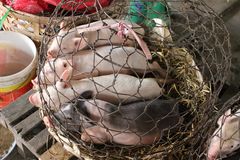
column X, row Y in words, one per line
column 143, row 117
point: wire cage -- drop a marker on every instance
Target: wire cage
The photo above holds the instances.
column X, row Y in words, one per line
column 139, row 82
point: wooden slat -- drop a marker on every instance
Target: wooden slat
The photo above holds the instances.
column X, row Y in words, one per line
column 20, row 100
column 18, row 115
column 28, row 123
column 17, row 109
column 38, row 141
column 14, row 107
column 21, row 124
column 56, row 152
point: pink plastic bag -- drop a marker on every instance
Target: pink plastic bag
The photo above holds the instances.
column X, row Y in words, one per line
column 79, row 4
column 28, row 6
column 3, row 1
column 8, row 2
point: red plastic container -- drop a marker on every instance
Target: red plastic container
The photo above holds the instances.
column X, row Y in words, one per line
column 8, row 97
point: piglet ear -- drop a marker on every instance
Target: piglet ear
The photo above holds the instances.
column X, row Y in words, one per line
column 34, row 81
column 63, row 26
column 79, row 43
column 66, row 76
column 62, row 84
column 225, row 116
column 68, row 65
column 228, row 112
column 35, row 85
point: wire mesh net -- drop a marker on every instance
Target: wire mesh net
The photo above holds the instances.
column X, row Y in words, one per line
column 135, row 79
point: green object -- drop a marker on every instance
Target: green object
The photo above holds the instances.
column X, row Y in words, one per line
column 4, row 17
column 137, row 11
column 155, row 10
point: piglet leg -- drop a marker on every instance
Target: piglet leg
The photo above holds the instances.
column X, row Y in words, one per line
column 95, row 134
column 83, row 75
column 47, row 121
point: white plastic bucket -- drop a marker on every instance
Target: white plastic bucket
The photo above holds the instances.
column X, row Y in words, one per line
column 11, row 152
column 12, row 86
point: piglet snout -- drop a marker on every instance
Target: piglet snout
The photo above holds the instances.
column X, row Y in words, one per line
column 33, row 100
column 213, row 150
column 30, row 98
column 211, row 157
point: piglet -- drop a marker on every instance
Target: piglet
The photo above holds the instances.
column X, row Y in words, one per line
column 226, row 138
column 118, row 88
column 69, row 117
column 104, row 60
column 137, row 123
column 104, row 32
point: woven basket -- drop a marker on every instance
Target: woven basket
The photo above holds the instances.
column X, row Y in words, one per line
column 34, row 25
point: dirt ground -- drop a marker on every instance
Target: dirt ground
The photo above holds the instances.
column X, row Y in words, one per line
column 6, row 140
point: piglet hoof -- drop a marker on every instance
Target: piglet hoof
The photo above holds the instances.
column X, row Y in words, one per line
column 47, row 121
column 85, row 137
column 51, row 55
column 92, row 138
